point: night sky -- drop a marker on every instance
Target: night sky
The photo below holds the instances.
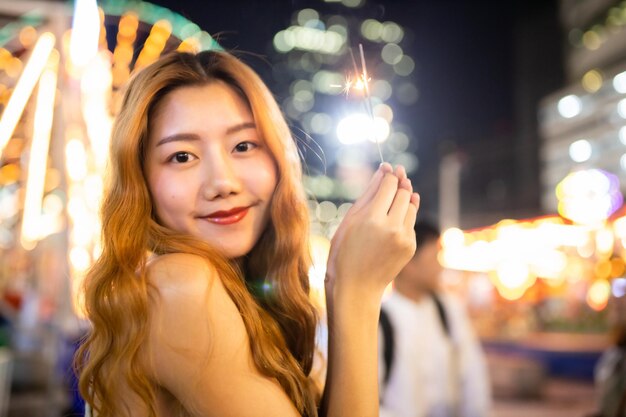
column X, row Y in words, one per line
column 468, row 63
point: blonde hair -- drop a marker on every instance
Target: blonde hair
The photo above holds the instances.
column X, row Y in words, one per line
column 280, row 322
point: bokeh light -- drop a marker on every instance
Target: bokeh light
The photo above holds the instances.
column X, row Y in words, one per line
column 580, row 151
column 569, row 106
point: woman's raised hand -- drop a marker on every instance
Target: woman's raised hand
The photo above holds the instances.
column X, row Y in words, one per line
column 375, row 239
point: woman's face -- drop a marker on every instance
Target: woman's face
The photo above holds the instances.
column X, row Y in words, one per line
column 208, row 171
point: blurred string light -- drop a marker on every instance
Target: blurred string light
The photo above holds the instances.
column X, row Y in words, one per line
column 124, row 50
column 96, row 86
column 32, row 227
column 155, row 43
column 182, row 28
column 85, row 32
column 24, row 87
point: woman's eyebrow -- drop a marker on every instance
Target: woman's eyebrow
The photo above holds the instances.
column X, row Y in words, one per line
column 178, row 137
column 186, row 137
column 241, row 126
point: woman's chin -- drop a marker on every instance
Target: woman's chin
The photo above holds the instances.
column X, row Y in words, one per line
column 234, row 251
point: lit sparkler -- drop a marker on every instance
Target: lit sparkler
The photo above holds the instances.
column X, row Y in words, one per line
column 361, row 82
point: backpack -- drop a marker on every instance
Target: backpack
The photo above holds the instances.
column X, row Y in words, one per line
column 388, row 333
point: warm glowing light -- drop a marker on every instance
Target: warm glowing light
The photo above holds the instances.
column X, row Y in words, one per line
column 598, row 294
column 24, row 87
column 128, row 25
column 155, row 43
column 512, row 278
column 513, row 274
column 37, row 164
column 319, row 248
column 85, row 32
column 619, row 226
column 76, row 159
column 189, row 45
column 453, row 237
column 592, row 81
column 359, row 127
column 549, row 264
column 28, row 36
column 80, row 258
column 95, row 87
column 588, row 197
column 605, row 241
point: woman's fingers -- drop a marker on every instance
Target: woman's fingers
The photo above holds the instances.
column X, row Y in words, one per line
column 401, row 202
column 373, row 186
column 411, row 214
column 381, row 203
column 401, row 172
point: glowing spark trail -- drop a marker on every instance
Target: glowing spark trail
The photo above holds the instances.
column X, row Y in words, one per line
column 361, row 82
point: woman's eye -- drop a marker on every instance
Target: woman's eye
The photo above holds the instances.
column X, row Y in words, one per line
column 181, row 157
column 245, row 146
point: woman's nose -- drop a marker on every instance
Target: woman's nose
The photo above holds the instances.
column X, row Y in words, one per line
column 221, row 179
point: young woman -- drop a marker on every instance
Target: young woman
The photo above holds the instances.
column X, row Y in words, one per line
column 199, row 301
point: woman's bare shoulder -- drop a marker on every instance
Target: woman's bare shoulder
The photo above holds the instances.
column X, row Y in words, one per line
column 187, row 294
column 198, row 345
column 175, row 269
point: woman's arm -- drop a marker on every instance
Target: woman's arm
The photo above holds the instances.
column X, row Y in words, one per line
column 371, row 246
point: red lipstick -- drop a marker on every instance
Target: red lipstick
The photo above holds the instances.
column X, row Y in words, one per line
column 226, row 217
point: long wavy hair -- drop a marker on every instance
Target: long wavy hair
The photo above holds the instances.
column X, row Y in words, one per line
column 280, row 320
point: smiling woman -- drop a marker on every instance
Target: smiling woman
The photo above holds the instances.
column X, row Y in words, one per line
column 204, row 203
column 208, row 170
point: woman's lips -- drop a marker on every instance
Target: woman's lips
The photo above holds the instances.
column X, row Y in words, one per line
column 228, row 217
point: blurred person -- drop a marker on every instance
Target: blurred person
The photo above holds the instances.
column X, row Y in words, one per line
column 430, row 361
column 610, row 372
column 199, row 300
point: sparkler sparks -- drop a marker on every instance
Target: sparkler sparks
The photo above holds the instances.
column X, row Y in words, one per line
column 358, row 83
column 361, row 82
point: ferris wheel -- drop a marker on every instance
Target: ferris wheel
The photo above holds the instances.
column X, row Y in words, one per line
column 62, row 70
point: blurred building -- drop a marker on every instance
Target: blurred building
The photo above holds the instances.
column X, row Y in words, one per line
column 343, row 82
column 583, row 125
column 500, row 160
